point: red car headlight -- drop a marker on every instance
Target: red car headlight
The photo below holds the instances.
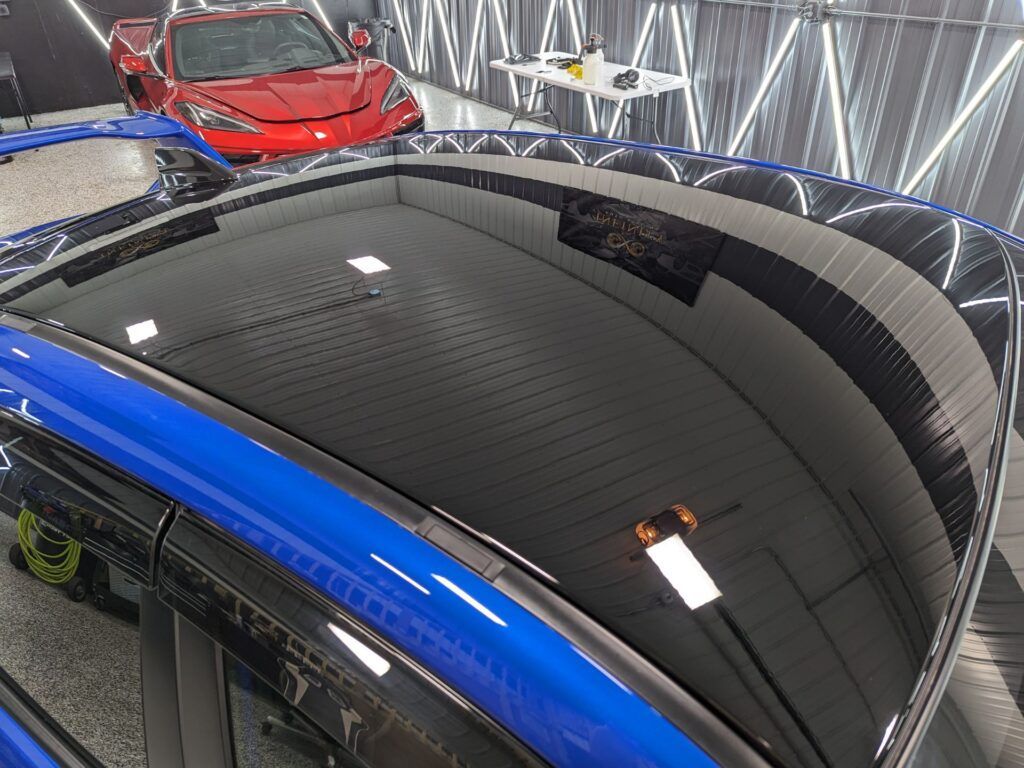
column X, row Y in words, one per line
column 205, row 117
column 397, row 92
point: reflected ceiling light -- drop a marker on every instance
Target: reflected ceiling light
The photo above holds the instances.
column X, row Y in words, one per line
column 439, row 140
column 578, row 34
column 471, row 60
column 800, row 191
column 268, row 173
column 662, row 539
column 403, row 30
column 322, row 15
column 424, row 19
column 533, row 146
column 477, row 143
column 958, row 239
column 766, row 82
column 368, row 265
column 400, row 574
column 315, row 162
column 575, row 152
column 448, row 45
column 454, row 143
column 549, row 24
column 684, row 64
column 19, row 353
column 672, row 168
column 601, row 161
column 89, row 24
column 509, row 147
column 414, row 143
column 964, row 116
column 875, row 207
column 56, row 247
column 350, row 153
column 704, row 179
column 13, row 269
column 886, row 735
column 836, row 91
column 976, row 302
column 373, row 660
column 24, row 412
column 469, row 599
column 141, row 331
column 637, row 53
column 499, row 15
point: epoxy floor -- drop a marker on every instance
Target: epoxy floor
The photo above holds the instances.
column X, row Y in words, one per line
column 69, row 179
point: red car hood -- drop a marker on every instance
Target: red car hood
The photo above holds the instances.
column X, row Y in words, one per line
column 308, row 94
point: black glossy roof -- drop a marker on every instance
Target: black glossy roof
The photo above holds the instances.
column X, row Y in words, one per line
column 570, row 338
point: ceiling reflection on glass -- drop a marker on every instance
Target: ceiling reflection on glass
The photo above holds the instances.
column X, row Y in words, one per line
column 742, row 416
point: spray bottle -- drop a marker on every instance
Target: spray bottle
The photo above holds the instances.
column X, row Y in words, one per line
column 593, row 60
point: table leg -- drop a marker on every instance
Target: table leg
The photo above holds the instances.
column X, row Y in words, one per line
column 551, row 110
column 21, row 102
column 654, row 124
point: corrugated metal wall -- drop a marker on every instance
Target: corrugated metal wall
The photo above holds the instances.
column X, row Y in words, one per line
column 904, row 81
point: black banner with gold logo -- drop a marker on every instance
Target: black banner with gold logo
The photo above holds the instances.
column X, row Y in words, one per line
column 671, row 253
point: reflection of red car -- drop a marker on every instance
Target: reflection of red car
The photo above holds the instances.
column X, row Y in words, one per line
column 260, row 82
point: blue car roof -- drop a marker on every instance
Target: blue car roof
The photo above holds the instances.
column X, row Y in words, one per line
column 549, row 341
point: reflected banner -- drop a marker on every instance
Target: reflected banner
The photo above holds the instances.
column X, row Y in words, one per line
column 671, row 253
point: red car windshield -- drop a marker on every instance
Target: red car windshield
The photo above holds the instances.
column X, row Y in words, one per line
column 245, row 46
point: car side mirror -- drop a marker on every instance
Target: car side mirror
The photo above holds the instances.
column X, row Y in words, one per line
column 134, row 64
column 360, row 39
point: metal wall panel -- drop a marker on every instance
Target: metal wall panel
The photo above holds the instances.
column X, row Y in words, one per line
column 904, row 81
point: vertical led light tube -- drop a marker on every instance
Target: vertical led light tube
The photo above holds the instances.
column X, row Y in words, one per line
column 964, row 116
column 403, row 30
column 645, row 32
column 424, row 20
column 836, row 91
column 321, row 14
column 766, row 82
column 578, row 34
column 448, row 44
column 684, row 64
column 472, row 59
column 88, row 23
column 544, row 41
column 499, row 16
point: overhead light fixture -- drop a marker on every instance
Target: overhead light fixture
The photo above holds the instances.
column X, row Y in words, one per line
column 373, row 660
column 141, row 331
column 836, row 91
column 448, row 44
column 766, row 83
column 662, row 539
column 20, row 353
column 684, row 65
column 645, row 32
column 469, row 599
column 961, row 120
column 471, row 63
column 368, row 265
column 89, row 24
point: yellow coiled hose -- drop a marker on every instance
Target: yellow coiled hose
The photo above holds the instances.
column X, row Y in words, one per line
column 53, row 568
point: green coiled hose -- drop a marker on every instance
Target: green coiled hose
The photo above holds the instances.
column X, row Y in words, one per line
column 54, row 568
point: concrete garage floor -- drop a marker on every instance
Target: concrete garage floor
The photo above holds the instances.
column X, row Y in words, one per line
column 85, row 176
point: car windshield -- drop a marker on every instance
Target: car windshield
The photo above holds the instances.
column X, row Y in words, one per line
column 245, row 46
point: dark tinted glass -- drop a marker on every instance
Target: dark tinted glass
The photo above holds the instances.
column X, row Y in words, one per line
column 251, row 45
column 558, row 341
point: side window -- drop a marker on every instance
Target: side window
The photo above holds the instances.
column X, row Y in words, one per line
column 69, row 622
column 303, row 684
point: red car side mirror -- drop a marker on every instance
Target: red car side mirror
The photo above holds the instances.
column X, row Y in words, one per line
column 134, row 64
column 360, row 39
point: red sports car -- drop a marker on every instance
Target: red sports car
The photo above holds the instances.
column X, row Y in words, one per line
column 260, row 82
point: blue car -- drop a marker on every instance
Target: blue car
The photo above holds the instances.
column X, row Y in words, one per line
column 504, row 449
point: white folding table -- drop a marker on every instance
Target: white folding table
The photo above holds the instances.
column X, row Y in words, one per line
column 650, row 83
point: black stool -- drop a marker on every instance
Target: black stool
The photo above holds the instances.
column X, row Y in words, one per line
column 7, row 73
